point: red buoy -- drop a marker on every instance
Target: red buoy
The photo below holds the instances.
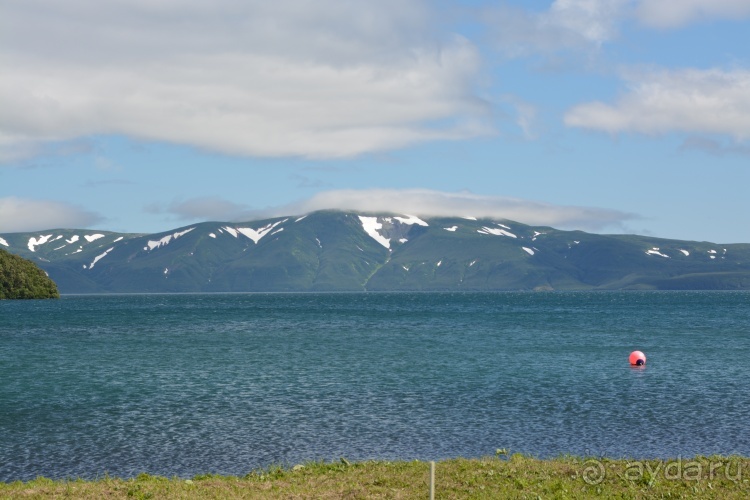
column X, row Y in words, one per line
column 637, row 358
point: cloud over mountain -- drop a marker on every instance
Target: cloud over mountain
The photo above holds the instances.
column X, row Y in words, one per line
column 23, row 214
column 438, row 203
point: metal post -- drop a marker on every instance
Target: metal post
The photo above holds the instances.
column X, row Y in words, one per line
column 432, row 480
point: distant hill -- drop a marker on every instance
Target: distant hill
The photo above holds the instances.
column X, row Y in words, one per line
column 348, row 251
column 22, row 279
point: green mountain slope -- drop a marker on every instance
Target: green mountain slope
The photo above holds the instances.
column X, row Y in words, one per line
column 334, row 250
column 22, row 279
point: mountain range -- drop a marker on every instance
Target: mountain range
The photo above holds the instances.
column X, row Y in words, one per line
column 349, row 251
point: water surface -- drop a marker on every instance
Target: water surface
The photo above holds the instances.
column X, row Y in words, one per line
column 189, row 384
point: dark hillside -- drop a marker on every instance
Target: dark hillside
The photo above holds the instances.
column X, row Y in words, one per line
column 22, row 279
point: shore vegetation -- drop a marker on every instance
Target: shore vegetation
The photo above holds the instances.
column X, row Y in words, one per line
column 502, row 476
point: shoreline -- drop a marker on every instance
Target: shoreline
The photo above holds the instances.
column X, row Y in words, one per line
column 489, row 477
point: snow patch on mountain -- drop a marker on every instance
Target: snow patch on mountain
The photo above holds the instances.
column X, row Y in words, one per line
column 157, row 243
column 165, row 240
column 3, row 242
column 300, row 218
column 371, row 226
column 34, row 242
column 411, row 219
column 685, row 252
column 257, row 234
column 118, row 239
column 451, row 229
column 528, row 250
column 655, row 251
column 495, row 231
column 212, row 235
column 469, row 218
column 98, row 258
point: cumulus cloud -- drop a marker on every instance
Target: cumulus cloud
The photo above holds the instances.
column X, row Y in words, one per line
column 23, row 214
column 427, row 202
column 673, row 14
column 695, row 101
column 593, row 20
column 567, row 24
column 331, row 78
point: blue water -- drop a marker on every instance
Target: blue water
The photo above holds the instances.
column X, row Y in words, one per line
column 189, row 384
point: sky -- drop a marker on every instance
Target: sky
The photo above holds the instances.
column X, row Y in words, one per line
column 609, row 116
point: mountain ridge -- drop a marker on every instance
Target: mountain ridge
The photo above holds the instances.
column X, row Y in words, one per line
column 334, row 250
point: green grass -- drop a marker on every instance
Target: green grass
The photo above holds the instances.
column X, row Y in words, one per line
column 516, row 476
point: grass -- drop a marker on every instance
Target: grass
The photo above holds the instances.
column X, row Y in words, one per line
column 515, row 476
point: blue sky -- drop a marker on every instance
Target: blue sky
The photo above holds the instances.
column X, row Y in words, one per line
column 609, row 116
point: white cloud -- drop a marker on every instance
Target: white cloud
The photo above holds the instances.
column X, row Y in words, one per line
column 332, row 78
column 567, row 24
column 689, row 100
column 676, row 13
column 23, row 214
column 594, row 20
column 427, row 202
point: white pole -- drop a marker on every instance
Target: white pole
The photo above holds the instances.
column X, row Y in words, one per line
column 432, row 480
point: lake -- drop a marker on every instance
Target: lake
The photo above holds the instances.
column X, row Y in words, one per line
column 179, row 385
